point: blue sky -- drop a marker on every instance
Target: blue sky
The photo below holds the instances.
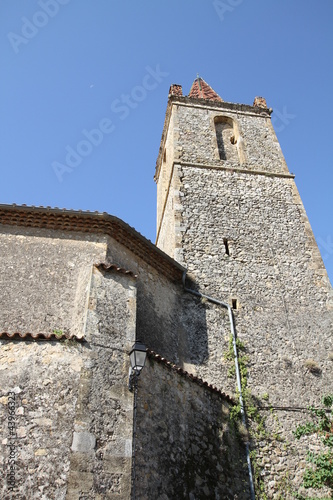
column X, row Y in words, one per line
column 71, row 66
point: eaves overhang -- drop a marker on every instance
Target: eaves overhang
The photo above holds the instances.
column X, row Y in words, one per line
column 93, row 223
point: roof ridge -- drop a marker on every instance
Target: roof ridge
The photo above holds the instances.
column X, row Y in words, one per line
column 202, row 90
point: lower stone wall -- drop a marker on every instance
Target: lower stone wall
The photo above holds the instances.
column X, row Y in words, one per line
column 101, row 452
column 39, row 390
column 185, row 444
column 65, row 409
column 278, row 458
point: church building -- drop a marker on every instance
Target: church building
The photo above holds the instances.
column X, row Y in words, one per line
column 232, row 307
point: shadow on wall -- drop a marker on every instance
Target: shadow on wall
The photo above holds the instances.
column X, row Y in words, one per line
column 172, row 323
column 228, row 139
column 185, row 444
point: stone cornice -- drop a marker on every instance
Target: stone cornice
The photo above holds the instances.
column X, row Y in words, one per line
column 241, row 170
column 96, row 223
column 216, row 105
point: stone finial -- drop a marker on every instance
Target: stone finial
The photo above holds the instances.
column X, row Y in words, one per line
column 260, row 102
column 176, row 90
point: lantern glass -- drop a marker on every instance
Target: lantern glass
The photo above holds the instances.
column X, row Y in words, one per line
column 138, row 356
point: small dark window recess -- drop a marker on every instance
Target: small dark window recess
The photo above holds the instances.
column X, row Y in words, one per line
column 226, row 246
column 234, row 303
column 233, row 139
column 164, row 155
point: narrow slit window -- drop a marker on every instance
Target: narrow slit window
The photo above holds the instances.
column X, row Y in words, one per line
column 226, row 246
column 234, row 303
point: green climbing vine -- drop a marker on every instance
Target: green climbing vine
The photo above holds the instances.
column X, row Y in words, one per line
column 320, row 472
column 258, row 430
column 251, row 407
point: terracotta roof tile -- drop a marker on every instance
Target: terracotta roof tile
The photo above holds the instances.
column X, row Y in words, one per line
column 157, row 357
column 39, row 336
column 113, row 267
column 201, row 90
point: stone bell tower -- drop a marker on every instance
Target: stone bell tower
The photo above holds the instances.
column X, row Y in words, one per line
column 229, row 211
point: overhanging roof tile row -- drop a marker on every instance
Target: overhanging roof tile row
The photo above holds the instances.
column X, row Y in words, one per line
column 197, row 380
column 113, row 267
column 96, row 223
column 39, row 336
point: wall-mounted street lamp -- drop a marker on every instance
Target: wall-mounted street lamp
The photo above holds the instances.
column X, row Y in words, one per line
column 137, row 356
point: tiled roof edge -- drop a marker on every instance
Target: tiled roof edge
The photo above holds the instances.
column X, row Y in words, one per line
column 96, row 223
column 39, row 336
column 113, row 267
column 197, row 380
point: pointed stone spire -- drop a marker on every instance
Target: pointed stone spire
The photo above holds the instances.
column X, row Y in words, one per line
column 201, row 90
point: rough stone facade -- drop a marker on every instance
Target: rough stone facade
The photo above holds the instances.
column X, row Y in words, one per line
column 72, row 305
column 78, row 288
column 73, row 412
column 236, row 222
column 185, row 432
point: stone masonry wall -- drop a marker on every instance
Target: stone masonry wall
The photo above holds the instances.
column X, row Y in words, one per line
column 76, row 392
column 67, row 400
column 159, row 324
column 258, row 148
column 174, row 323
column 169, row 235
column 101, row 452
column 274, row 269
column 272, row 273
column 284, row 310
column 186, row 447
column 44, row 377
column 167, row 157
column 44, row 279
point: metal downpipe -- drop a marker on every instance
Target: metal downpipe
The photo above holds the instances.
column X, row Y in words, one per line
column 238, row 377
